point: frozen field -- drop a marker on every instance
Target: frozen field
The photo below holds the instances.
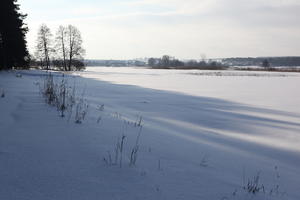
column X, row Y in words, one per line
column 205, row 135
column 268, row 89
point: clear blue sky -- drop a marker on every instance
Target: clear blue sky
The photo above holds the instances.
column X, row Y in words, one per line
column 126, row 29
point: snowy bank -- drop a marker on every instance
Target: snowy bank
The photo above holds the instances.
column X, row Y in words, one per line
column 203, row 137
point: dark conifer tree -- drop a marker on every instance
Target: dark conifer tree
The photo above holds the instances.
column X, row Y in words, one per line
column 13, row 48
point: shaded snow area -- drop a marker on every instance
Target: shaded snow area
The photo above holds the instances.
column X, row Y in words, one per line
column 151, row 134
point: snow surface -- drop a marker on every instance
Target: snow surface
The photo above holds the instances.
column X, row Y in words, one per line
column 204, row 135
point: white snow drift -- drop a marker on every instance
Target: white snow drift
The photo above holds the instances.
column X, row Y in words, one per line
column 217, row 135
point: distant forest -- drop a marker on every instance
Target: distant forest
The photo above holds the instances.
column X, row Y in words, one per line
column 171, row 62
column 274, row 61
column 165, row 62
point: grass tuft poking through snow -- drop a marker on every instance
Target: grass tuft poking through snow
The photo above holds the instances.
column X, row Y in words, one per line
column 254, row 186
column 118, row 153
column 119, row 149
column 59, row 94
column 81, row 110
column 135, row 149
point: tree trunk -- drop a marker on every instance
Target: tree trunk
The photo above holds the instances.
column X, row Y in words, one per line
column 46, row 54
column 64, row 50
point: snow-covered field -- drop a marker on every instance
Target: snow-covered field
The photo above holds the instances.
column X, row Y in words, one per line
column 204, row 135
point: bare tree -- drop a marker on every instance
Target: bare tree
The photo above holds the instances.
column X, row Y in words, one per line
column 60, row 44
column 266, row 64
column 44, row 42
column 165, row 61
column 152, row 62
column 74, row 45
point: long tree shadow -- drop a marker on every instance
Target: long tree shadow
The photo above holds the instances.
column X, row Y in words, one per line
column 204, row 111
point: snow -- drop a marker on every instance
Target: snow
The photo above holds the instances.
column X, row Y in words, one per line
column 204, row 135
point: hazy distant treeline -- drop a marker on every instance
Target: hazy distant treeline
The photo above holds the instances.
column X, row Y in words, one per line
column 168, row 62
column 115, row 63
column 274, row 61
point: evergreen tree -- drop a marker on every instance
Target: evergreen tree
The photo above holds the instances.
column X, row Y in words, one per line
column 13, row 48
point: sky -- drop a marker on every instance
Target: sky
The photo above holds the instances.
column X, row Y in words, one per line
column 186, row 29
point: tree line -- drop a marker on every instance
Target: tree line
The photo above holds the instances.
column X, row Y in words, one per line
column 288, row 61
column 63, row 52
column 168, row 62
column 13, row 46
